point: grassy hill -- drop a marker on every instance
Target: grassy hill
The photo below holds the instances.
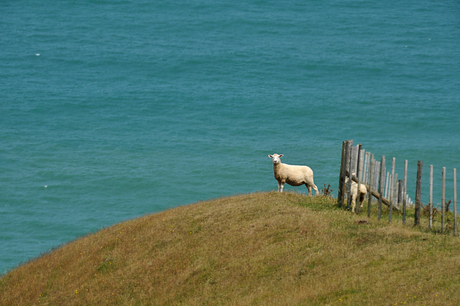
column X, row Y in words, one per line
column 255, row 249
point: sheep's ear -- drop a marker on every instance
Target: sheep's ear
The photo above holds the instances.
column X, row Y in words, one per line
column 281, row 155
column 271, row 156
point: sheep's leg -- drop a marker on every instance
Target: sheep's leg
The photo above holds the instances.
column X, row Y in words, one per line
column 353, row 203
column 280, row 186
column 363, row 197
column 316, row 189
column 309, row 190
column 310, row 187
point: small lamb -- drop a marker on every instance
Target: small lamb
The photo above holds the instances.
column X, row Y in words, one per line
column 293, row 175
column 354, row 193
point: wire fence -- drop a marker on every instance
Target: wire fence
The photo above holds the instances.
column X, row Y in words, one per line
column 386, row 187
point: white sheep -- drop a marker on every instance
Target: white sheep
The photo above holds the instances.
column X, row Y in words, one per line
column 354, row 193
column 293, row 175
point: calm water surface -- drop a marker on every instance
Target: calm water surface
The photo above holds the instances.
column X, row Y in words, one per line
column 115, row 109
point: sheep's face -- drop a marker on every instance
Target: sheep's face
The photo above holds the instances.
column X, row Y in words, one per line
column 276, row 158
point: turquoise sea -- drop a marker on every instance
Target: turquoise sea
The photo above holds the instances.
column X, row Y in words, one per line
column 110, row 110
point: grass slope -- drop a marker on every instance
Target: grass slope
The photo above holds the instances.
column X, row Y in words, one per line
column 255, row 249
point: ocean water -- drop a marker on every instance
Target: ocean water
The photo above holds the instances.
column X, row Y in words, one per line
column 110, row 110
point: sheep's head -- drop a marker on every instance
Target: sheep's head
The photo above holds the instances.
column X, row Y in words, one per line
column 347, row 179
column 276, row 158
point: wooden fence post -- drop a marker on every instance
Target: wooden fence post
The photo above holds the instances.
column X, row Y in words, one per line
column 430, row 216
column 405, row 193
column 395, row 189
column 418, row 193
column 390, row 196
column 455, row 201
column 393, row 175
column 381, row 184
column 387, row 186
column 371, row 181
column 400, row 193
column 367, row 160
column 343, row 168
column 443, row 199
column 350, row 169
column 359, row 166
column 367, row 164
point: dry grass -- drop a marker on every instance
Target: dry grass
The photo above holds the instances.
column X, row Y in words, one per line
column 256, row 249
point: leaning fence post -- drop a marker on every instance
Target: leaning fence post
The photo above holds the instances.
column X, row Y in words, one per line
column 381, row 184
column 455, row 201
column 418, row 193
column 371, row 181
column 343, row 168
column 430, row 216
column 443, row 199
